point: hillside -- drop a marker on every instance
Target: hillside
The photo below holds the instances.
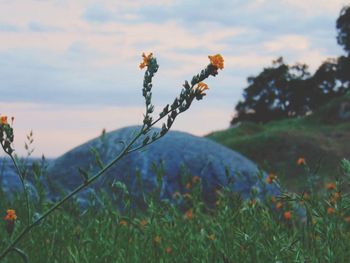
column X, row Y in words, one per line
column 322, row 138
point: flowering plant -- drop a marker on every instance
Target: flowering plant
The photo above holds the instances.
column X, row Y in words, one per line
column 190, row 91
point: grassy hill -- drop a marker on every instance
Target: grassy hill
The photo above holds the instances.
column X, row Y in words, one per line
column 322, row 138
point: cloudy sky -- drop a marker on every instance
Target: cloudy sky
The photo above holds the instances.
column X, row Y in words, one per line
column 69, row 68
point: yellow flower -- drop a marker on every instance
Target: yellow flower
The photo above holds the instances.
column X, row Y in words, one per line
column 11, row 215
column 212, row 237
column 217, row 61
column 157, row 239
column 201, row 87
column 146, row 60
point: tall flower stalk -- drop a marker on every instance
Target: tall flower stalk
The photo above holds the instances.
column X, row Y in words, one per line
column 189, row 92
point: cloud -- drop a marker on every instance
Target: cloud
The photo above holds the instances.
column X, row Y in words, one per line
column 288, row 43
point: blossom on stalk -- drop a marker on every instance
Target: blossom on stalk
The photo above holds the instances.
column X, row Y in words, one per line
column 3, row 120
column 217, row 61
column 10, row 219
column 146, row 60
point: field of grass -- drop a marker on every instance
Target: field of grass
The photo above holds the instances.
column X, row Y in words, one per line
column 310, row 227
column 321, row 138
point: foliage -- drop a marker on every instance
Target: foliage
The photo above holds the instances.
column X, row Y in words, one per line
column 284, row 91
column 294, row 227
column 141, row 139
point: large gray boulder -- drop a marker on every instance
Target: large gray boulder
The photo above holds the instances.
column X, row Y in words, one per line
column 176, row 154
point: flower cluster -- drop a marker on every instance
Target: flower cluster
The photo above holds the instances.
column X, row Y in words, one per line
column 190, row 91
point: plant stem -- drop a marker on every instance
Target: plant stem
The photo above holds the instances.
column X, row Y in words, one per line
column 70, row 195
column 21, row 177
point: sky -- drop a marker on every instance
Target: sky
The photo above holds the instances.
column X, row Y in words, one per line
column 70, row 68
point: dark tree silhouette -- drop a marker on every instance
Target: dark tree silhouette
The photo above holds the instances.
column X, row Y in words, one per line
column 343, row 28
column 283, row 91
column 277, row 92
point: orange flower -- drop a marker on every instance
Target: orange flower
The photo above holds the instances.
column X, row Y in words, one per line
column 10, row 218
column 201, row 87
column 301, row 161
column 168, row 250
column 279, row 205
column 217, row 61
column 188, row 186
column 3, row 120
column 212, row 237
column 287, row 215
column 189, row 214
column 123, row 223
column 330, row 210
column 11, row 215
column 157, row 239
column 196, row 179
column 270, row 178
column 146, row 60
column 330, row 186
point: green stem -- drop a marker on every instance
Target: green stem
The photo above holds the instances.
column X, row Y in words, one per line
column 70, row 195
column 21, row 177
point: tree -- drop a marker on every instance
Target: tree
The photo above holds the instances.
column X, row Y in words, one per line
column 277, row 92
column 343, row 28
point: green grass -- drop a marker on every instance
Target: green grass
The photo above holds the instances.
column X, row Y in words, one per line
column 320, row 138
column 232, row 230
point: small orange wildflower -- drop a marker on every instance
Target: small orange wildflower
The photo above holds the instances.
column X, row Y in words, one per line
column 212, row 237
column 301, row 161
column 157, row 239
column 3, row 120
column 330, row 186
column 188, row 186
column 189, row 214
column 217, row 61
column 11, row 215
column 196, row 179
column 123, row 223
column 270, row 178
column 10, row 218
column 168, row 250
column 201, row 87
column 330, row 210
column 146, row 60
column 287, row 215
column 279, row 205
